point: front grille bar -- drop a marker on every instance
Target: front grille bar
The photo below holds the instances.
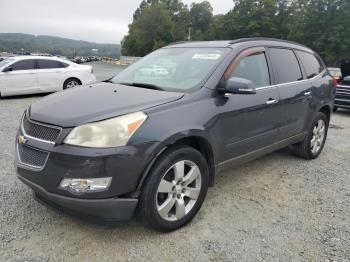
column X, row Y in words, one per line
column 38, row 131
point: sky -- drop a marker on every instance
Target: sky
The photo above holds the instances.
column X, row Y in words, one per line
column 101, row 21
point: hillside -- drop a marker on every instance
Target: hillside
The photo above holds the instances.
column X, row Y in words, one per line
column 10, row 42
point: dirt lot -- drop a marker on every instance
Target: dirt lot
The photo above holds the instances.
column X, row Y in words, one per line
column 277, row 208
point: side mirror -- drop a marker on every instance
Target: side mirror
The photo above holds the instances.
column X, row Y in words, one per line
column 236, row 85
column 7, row 69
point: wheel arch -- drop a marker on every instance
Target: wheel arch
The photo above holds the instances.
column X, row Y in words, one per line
column 195, row 141
column 326, row 109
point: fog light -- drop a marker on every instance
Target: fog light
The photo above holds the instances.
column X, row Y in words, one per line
column 85, row 185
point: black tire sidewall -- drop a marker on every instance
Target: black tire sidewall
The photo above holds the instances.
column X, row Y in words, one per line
column 148, row 206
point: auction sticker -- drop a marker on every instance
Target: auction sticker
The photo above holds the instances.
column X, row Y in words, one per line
column 206, row 56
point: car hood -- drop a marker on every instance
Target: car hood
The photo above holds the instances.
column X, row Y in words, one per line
column 96, row 102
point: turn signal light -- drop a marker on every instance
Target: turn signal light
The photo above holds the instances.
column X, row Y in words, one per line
column 335, row 82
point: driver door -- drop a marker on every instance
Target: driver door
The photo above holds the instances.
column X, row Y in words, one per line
column 249, row 121
column 21, row 80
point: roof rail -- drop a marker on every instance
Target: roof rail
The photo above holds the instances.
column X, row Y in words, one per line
column 247, row 39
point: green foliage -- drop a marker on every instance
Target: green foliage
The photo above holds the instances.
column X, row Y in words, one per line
column 55, row 45
column 150, row 31
column 323, row 25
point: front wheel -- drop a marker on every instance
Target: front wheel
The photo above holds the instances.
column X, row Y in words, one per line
column 175, row 189
column 315, row 138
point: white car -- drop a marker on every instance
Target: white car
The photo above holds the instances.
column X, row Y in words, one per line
column 37, row 74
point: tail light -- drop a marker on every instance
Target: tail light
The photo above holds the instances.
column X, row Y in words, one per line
column 335, row 82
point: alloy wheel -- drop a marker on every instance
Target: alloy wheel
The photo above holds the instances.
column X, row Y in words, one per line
column 318, row 135
column 178, row 190
column 72, row 84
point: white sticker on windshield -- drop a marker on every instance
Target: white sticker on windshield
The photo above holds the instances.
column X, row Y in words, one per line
column 206, row 56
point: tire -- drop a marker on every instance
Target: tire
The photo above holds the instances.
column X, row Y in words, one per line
column 310, row 150
column 335, row 108
column 71, row 83
column 165, row 204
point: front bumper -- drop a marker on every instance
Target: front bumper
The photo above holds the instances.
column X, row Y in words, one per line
column 99, row 209
column 43, row 165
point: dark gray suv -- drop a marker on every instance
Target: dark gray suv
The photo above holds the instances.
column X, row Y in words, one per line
column 153, row 138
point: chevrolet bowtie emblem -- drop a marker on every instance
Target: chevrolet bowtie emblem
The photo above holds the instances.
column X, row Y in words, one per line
column 22, row 140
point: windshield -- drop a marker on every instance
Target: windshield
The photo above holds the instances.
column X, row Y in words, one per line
column 172, row 69
column 5, row 62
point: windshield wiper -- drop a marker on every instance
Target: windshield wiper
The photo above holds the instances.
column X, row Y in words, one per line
column 108, row 80
column 144, row 85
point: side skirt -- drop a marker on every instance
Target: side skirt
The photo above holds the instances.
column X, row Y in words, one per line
column 260, row 152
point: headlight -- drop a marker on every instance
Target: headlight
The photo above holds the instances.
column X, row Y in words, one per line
column 113, row 132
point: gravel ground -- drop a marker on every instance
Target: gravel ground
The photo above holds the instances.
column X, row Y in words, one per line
column 277, row 208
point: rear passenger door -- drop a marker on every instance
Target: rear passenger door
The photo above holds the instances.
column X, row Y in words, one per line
column 249, row 122
column 295, row 93
column 50, row 75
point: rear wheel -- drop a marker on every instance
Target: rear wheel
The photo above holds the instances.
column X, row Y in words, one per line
column 71, row 83
column 314, row 140
column 175, row 189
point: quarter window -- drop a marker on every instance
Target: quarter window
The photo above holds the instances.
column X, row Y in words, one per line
column 312, row 65
column 255, row 69
column 27, row 64
column 286, row 65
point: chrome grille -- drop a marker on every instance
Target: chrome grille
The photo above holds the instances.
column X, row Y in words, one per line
column 32, row 157
column 343, row 90
column 40, row 131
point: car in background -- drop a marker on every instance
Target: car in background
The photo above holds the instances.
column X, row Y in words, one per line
column 342, row 99
column 37, row 74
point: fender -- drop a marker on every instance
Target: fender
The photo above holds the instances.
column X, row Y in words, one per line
column 173, row 139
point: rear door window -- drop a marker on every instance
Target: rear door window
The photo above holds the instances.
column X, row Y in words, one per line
column 48, row 64
column 255, row 69
column 285, row 65
column 312, row 65
column 27, row 64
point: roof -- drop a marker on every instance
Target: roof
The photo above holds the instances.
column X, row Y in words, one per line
column 232, row 43
column 34, row 57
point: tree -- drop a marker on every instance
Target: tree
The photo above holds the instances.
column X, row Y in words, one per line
column 323, row 25
column 152, row 29
column 201, row 20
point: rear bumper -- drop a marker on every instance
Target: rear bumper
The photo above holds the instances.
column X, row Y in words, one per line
column 89, row 81
column 109, row 209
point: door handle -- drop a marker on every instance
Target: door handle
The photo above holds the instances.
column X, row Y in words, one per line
column 308, row 93
column 271, row 101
